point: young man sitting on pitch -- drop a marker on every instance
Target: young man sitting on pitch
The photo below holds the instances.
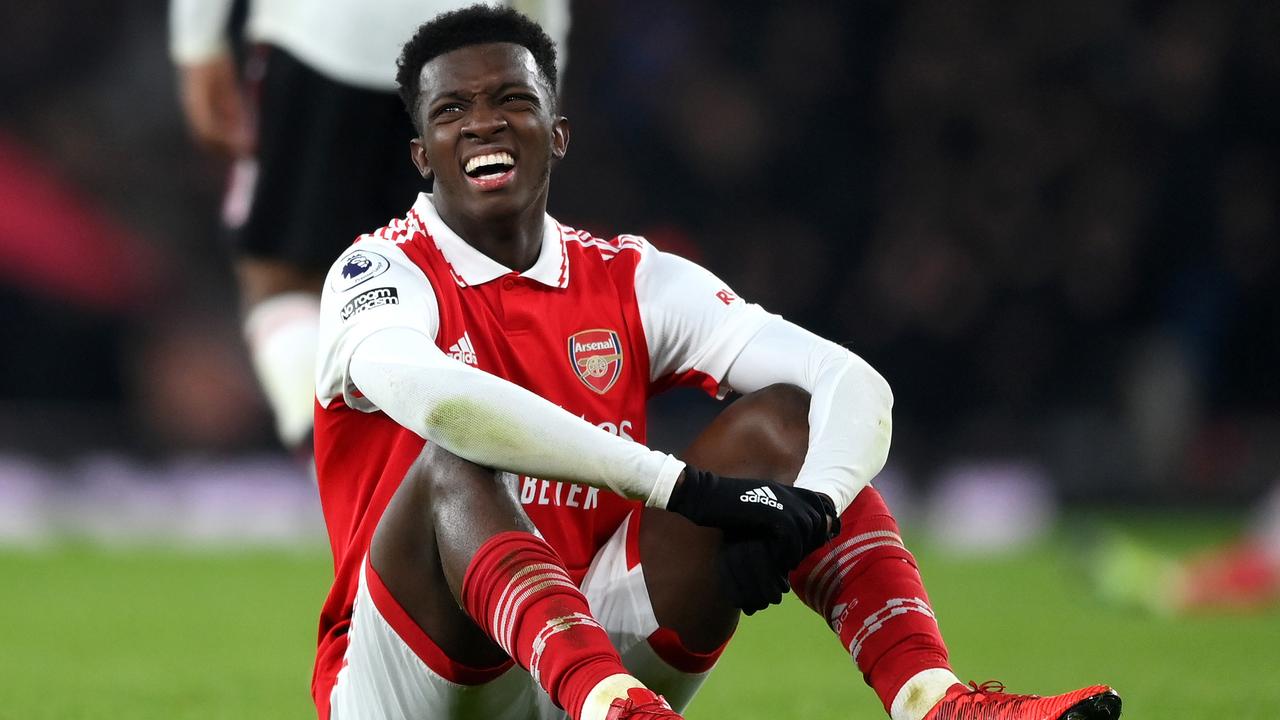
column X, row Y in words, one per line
column 505, row 546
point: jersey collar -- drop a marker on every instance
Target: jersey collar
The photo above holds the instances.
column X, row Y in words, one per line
column 472, row 267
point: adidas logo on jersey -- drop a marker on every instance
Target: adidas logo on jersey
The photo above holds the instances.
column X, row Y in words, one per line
column 762, row 495
column 463, row 351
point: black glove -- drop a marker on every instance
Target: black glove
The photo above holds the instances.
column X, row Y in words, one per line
column 753, row 574
column 794, row 521
column 750, row 574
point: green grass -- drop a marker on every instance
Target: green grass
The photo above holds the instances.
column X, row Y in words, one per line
column 150, row 633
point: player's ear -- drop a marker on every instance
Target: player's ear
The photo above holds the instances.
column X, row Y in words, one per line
column 559, row 137
column 418, row 155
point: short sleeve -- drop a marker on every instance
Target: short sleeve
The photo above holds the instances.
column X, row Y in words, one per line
column 694, row 324
column 371, row 287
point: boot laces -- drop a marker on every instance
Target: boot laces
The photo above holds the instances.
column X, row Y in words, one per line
column 997, row 697
column 989, row 687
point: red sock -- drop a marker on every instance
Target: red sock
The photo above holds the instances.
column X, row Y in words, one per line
column 518, row 591
column 868, row 588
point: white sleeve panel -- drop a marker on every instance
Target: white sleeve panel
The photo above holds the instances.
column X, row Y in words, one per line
column 499, row 424
column 850, row 411
column 198, row 30
column 692, row 320
column 371, row 287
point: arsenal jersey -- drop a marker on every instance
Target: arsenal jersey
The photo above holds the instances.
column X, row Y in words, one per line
column 595, row 326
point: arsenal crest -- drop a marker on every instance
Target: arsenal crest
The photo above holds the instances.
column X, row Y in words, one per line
column 596, row 356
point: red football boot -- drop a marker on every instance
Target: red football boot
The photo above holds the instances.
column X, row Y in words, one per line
column 989, row 701
column 641, row 704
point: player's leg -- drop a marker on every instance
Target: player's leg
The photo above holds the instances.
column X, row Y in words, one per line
column 330, row 164
column 864, row 583
column 282, row 326
column 762, row 435
column 1241, row 575
column 460, row 560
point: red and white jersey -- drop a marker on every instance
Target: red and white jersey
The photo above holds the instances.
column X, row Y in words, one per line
column 595, row 326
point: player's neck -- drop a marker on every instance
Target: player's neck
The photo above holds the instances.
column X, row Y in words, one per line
column 514, row 242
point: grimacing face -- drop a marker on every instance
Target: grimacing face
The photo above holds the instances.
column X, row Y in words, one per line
column 489, row 132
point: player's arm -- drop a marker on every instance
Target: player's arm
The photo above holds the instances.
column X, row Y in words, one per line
column 380, row 354
column 850, row 407
column 700, row 332
column 212, row 98
column 696, row 325
column 496, row 423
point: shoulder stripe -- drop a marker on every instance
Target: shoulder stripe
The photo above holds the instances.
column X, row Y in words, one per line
column 608, row 249
column 422, row 232
column 398, row 230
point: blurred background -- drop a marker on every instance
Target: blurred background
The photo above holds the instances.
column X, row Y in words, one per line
column 1054, row 227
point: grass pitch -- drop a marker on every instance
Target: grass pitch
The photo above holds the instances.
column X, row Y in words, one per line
column 154, row 633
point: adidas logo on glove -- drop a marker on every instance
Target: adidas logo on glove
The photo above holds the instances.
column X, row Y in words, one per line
column 762, row 495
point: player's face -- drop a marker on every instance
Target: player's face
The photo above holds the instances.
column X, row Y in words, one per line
column 489, row 131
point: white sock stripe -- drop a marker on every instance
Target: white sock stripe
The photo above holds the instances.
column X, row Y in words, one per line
column 506, row 625
column 835, row 551
column 509, row 626
column 537, row 572
column 554, row 627
column 893, row 608
column 893, row 605
column 560, row 624
column 829, row 581
column 828, row 593
column 855, row 648
column 504, row 598
column 515, row 583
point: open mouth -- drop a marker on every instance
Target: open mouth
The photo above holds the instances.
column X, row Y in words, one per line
column 490, row 171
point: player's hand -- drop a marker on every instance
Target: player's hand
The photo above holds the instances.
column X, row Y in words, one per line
column 794, row 521
column 750, row 574
column 215, row 108
column 753, row 574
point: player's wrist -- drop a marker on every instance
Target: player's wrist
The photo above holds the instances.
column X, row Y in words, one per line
column 670, row 475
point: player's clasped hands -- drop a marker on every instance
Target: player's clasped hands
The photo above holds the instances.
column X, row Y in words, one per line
column 769, row 528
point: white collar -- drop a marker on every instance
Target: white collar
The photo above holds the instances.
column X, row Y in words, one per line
column 472, row 267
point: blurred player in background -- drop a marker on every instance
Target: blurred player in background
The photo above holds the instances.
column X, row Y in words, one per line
column 316, row 135
column 477, row 333
column 1241, row 575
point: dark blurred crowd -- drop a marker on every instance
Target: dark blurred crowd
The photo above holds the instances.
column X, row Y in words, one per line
column 1052, row 226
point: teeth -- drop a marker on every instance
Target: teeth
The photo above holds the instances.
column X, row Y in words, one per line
column 499, row 158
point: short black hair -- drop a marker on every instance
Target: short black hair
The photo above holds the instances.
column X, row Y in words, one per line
column 475, row 25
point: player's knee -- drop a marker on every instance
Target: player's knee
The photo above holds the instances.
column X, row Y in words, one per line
column 783, row 403
column 763, row 435
column 776, row 419
column 457, row 492
column 441, row 473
